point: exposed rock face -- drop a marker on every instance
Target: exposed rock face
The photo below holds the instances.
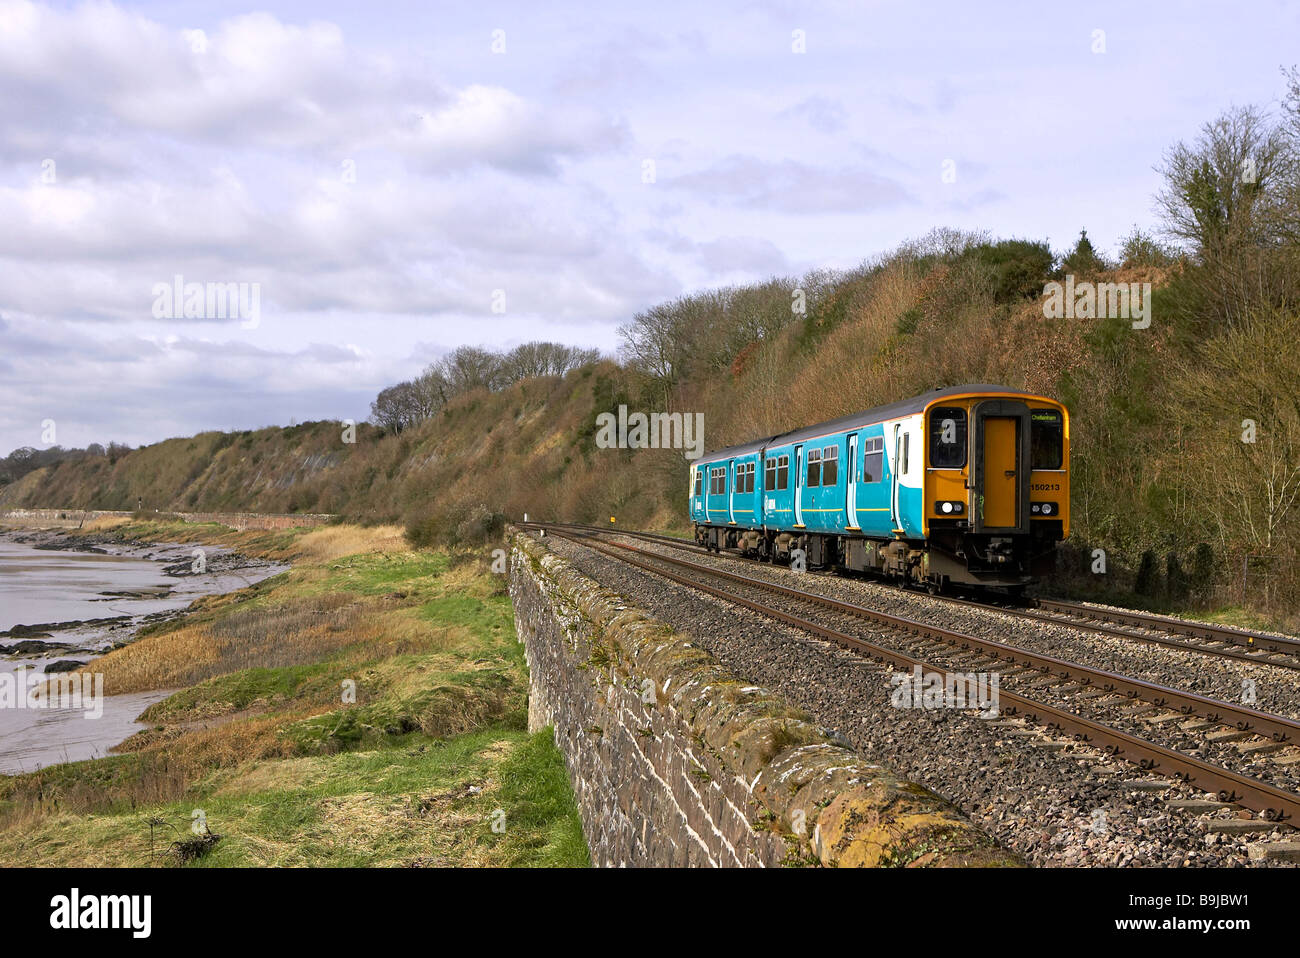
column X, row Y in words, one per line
column 674, row 761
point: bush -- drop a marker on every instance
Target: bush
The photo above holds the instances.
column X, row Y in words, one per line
column 479, row 525
column 1020, row 268
column 1148, row 578
column 1141, row 249
column 457, row 525
column 1203, row 571
column 1175, row 579
column 424, row 533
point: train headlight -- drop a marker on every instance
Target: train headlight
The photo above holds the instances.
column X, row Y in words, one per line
column 1043, row 508
column 949, row 508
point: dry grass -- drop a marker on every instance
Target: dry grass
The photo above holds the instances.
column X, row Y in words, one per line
column 104, row 524
column 333, row 542
column 295, row 632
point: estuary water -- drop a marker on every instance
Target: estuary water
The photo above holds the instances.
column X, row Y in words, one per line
column 82, row 603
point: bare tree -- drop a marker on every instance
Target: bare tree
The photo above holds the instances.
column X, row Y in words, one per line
column 544, row 359
column 1225, row 199
column 1242, row 392
column 1220, row 190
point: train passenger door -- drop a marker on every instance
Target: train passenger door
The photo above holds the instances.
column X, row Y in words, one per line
column 851, row 501
column 798, row 485
column 1000, row 471
column 731, row 491
column 1001, row 467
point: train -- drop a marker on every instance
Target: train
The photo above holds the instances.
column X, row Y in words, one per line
column 962, row 487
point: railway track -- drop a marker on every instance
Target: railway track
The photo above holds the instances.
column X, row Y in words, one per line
column 1272, row 803
column 1147, row 628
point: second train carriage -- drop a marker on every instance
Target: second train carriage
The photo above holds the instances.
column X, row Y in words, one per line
column 962, row 485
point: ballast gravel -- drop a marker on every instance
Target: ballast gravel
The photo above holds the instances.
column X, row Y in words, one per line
column 1056, row 805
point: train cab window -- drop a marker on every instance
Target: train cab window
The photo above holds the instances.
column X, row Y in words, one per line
column 814, row 477
column 830, row 465
column 783, row 472
column 947, row 437
column 873, row 455
column 699, row 481
column 1047, row 438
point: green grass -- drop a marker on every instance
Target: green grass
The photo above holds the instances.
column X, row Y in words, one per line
column 415, row 772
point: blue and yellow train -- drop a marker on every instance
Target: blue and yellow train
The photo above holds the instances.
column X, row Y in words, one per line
column 964, row 485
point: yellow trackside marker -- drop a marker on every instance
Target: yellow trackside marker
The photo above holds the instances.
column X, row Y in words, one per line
column 611, row 518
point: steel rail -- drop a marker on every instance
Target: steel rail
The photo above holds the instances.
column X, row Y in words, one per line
column 1269, row 645
column 1165, row 623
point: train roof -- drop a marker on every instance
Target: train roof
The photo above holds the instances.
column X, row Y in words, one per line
column 867, row 417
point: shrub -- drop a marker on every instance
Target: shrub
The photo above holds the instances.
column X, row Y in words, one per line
column 1175, row 579
column 1148, row 577
column 1019, row 268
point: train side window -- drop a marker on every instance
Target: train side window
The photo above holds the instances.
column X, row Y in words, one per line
column 814, row 477
column 947, row 437
column 699, row 481
column 769, row 474
column 907, row 443
column 746, row 480
column 830, row 465
column 1047, row 439
column 783, row 473
column 873, row 455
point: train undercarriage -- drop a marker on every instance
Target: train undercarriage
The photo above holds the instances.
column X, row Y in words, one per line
column 951, row 558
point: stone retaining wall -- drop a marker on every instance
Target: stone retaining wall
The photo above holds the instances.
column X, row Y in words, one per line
column 674, row 761
column 235, row 520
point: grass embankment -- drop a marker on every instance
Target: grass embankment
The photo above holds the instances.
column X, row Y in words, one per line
column 431, row 764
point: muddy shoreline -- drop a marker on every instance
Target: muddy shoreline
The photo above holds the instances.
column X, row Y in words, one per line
column 216, row 571
column 68, row 597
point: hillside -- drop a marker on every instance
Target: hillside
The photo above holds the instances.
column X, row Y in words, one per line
column 1155, row 412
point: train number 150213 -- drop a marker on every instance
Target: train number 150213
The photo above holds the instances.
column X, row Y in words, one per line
column 1046, row 486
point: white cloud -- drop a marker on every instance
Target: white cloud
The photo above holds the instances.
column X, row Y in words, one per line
column 789, row 186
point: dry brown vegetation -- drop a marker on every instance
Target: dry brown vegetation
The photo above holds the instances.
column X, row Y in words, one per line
column 260, row 731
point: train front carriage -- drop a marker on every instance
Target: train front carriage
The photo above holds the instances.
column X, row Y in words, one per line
column 996, row 486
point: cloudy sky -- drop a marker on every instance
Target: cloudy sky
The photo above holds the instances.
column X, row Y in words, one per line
column 400, row 179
